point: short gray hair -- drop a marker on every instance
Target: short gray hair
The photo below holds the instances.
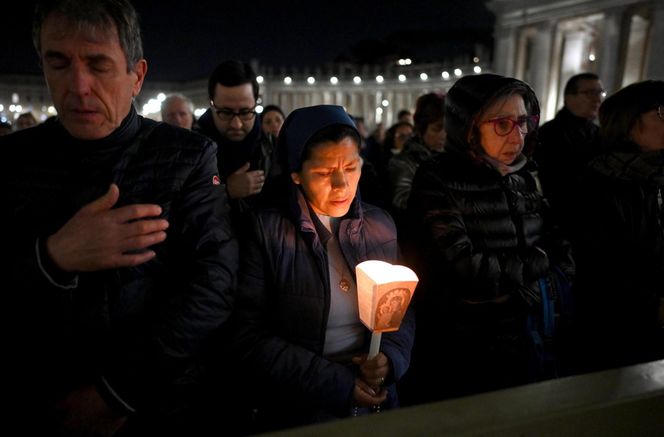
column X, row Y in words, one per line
column 95, row 15
column 177, row 96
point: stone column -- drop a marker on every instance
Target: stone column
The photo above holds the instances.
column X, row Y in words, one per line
column 609, row 62
column 655, row 68
column 362, row 110
column 505, row 49
column 540, row 63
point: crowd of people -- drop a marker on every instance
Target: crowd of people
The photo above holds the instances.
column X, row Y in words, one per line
column 196, row 276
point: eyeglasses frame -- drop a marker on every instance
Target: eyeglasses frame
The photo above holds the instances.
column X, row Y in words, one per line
column 593, row 93
column 227, row 112
column 533, row 118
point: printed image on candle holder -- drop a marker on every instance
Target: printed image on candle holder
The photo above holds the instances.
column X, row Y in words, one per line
column 391, row 309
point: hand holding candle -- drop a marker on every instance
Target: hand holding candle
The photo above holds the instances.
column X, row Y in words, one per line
column 369, row 385
column 374, row 371
column 364, row 396
column 383, row 292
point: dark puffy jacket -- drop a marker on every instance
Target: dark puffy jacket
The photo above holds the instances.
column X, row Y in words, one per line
column 401, row 170
column 259, row 150
column 484, row 244
column 485, row 231
column 137, row 329
column 283, row 303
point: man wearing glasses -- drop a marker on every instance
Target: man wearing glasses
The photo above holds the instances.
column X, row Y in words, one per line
column 567, row 143
column 246, row 156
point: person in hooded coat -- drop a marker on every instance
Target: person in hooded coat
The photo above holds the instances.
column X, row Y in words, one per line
column 484, row 246
column 298, row 336
column 620, row 254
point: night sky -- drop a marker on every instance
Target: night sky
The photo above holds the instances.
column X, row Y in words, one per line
column 184, row 40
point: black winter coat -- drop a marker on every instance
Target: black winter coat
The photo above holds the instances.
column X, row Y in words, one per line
column 621, row 258
column 484, row 233
column 260, row 151
column 134, row 331
column 483, row 246
column 283, row 302
column 401, row 170
column 566, row 145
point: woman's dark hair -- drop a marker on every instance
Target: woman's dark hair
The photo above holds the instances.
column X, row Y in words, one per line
column 272, row 108
column 334, row 133
column 430, row 108
column 621, row 111
column 403, row 113
column 388, row 144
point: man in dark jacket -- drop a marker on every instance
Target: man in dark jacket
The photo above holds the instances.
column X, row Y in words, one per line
column 567, row 143
column 122, row 254
column 246, row 156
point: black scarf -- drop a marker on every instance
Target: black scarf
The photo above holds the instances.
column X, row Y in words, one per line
column 645, row 168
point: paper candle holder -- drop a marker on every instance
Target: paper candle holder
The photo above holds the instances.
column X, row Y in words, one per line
column 384, row 292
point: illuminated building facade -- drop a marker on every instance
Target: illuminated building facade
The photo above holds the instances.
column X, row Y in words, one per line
column 546, row 42
column 542, row 42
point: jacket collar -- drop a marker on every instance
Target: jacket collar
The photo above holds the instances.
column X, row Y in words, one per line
column 121, row 136
column 568, row 118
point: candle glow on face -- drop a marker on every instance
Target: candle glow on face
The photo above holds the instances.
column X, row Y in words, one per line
column 330, row 176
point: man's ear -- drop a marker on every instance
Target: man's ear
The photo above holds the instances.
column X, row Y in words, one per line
column 140, row 70
column 295, row 177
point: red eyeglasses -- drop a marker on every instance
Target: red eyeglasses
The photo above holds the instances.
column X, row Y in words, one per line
column 504, row 126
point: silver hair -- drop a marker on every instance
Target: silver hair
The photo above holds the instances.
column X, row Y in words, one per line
column 177, row 96
column 96, row 16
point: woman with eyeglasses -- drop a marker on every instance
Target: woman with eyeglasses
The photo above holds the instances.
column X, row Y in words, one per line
column 487, row 254
column 621, row 248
